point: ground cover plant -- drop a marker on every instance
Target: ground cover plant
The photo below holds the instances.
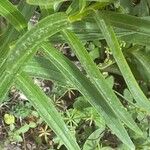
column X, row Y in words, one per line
column 74, row 74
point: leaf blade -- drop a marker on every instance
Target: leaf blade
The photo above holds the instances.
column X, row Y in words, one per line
column 143, row 59
column 42, row 68
column 10, row 12
column 26, row 46
column 46, row 109
column 99, row 81
column 86, row 88
column 113, row 44
column 124, row 21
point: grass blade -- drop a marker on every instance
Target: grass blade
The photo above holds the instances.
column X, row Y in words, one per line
column 42, row 68
column 46, row 109
column 82, row 5
column 99, row 81
column 93, row 140
column 45, row 3
column 113, row 44
column 137, row 39
column 89, row 91
column 10, row 12
column 26, row 46
column 143, row 59
column 11, row 34
column 127, row 21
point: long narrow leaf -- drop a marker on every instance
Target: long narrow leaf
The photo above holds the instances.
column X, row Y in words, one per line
column 99, row 81
column 136, row 38
column 51, row 2
column 82, row 5
column 11, row 34
column 47, row 111
column 27, row 46
column 10, row 12
column 42, row 68
column 89, row 91
column 144, row 61
column 45, row 3
column 127, row 21
column 93, row 140
column 113, row 44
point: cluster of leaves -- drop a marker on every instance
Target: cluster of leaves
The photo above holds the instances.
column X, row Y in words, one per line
column 108, row 37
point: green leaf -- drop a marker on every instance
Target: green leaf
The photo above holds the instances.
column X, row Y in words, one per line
column 127, row 21
column 81, row 103
column 93, row 140
column 110, row 81
column 113, row 44
column 42, row 68
column 109, row 148
column 26, row 47
column 23, row 129
column 52, row 2
column 141, row 9
column 10, row 12
column 137, row 38
column 46, row 109
column 43, row 3
column 128, row 95
column 99, row 81
column 73, row 7
column 144, row 61
column 9, row 119
column 87, row 30
column 11, row 34
column 82, row 5
column 126, row 6
column 98, row 5
column 89, row 91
